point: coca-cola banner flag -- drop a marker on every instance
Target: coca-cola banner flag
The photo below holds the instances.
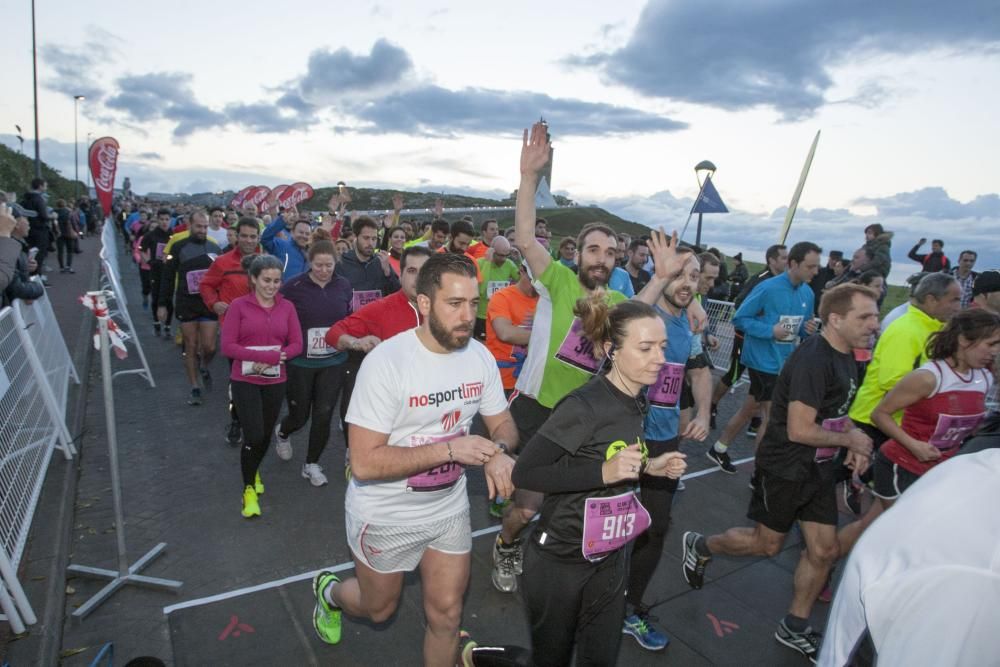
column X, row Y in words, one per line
column 257, row 197
column 272, row 198
column 295, row 194
column 241, row 196
column 103, row 164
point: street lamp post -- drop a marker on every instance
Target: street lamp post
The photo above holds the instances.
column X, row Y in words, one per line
column 89, row 135
column 76, row 146
column 702, row 171
column 34, row 79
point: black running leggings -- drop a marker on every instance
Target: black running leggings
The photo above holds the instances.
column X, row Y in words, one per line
column 312, row 390
column 574, row 604
column 154, row 305
column 258, row 406
column 657, row 497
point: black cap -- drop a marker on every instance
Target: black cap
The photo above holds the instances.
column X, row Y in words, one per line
column 836, row 254
column 987, row 282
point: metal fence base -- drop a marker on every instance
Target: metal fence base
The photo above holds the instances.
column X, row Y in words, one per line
column 119, row 579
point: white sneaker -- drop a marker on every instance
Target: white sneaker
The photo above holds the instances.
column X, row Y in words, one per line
column 314, row 473
column 284, row 447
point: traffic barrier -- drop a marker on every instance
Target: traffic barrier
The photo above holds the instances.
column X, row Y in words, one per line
column 32, row 425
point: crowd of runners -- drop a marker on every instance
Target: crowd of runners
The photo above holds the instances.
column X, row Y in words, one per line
column 570, row 373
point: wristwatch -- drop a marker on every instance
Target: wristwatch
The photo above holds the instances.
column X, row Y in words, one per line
column 502, row 446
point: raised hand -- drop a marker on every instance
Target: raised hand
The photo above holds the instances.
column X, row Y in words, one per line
column 397, row 203
column 666, row 262
column 535, row 149
column 438, row 207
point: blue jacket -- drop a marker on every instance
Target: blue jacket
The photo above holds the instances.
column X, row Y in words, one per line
column 769, row 302
column 621, row 281
column 291, row 255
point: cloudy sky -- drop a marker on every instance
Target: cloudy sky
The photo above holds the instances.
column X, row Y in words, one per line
column 432, row 96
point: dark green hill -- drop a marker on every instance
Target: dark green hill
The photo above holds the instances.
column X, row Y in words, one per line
column 16, row 172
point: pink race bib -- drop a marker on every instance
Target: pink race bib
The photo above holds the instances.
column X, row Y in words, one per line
column 951, row 430
column 666, row 391
column 363, row 297
column 611, row 523
column 194, row 279
column 577, row 351
column 439, row 477
column 838, row 425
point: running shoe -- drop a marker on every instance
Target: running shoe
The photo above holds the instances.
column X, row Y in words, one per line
column 166, row 331
column 694, row 562
column 752, row 428
column 715, row 413
column 722, row 460
column 250, row 505
column 639, row 626
column 233, row 434
column 466, row 644
column 195, row 398
column 206, row 379
column 156, row 328
column 508, row 561
column 497, row 508
column 283, row 448
column 753, row 481
column 852, row 496
column 258, row 485
column 805, row 642
column 314, row 473
column 326, row 617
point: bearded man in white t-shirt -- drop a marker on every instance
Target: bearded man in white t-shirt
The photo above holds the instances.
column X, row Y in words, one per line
column 407, row 507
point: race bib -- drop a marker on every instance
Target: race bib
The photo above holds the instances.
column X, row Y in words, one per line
column 439, row 477
column 494, row 286
column 159, row 250
column 666, row 391
column 951, row 430
column 363, row 297
column 194, row 279
column 837, row 425
column 246, row 367
column 577, row 351
column 790, row 324
column 611, row 523
column 316, row 344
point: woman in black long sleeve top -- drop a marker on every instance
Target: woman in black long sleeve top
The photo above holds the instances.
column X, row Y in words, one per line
column 586, row 459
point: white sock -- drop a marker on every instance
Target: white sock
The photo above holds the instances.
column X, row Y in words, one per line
column 720, row 447
column 328, row 597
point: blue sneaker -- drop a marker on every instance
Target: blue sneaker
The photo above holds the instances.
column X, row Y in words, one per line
column 639, row 626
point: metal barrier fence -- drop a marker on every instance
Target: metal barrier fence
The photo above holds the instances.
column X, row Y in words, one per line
column 111, row 281
column 32, row 424
column 720, row 320
column 39, row 321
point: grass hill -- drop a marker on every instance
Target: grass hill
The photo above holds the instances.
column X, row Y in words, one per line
column 16, row 172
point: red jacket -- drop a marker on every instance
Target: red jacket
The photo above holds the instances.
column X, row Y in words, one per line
column 225, row 281
column 383, row 319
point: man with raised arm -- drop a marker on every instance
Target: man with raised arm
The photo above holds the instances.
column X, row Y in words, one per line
column 559, row 358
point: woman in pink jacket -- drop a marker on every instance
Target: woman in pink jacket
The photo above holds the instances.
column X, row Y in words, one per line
column 261, row 333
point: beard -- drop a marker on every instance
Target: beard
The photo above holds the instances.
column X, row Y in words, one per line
column 451, row 340
column 676, row 300
column 592, row 282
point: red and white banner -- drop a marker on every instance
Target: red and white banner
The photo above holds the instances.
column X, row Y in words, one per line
column 257, row 197
column 103, row 164
column 96, row 302
column 240, row 196
column 272, row 198
column 295, row 194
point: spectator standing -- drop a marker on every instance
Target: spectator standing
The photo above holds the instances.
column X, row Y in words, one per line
column 965, row 276
column 18, row 285
column 933, row 261
column 879, row 245
column 38, row 232
column 66, row 242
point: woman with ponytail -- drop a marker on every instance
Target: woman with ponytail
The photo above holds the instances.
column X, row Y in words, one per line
column 587, row 459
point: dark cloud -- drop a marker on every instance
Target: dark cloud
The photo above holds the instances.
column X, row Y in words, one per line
column 335, row 73
column 70, row 70
column 935, row 204
column 265, row 117
column 435, row 111
column 735, row 54
column 166, row 96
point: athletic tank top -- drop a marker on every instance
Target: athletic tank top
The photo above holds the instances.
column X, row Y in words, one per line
column 945, row 418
